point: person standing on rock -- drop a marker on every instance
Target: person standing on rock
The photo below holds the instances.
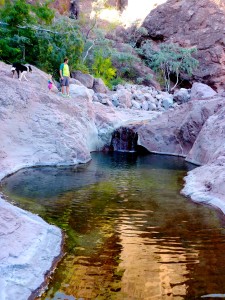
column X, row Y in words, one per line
column 65, row 77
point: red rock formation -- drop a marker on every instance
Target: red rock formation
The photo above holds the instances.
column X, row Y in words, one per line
column 191, row 23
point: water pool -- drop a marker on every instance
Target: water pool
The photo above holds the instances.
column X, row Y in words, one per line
column 130, row 234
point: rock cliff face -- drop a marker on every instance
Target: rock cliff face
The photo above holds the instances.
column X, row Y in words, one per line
column 194, row 23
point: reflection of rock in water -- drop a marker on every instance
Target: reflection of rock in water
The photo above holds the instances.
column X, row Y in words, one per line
column 124, row 139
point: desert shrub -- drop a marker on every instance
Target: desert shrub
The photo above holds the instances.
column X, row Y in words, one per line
column 125, row 64
column 102, row 67
column 168, row 60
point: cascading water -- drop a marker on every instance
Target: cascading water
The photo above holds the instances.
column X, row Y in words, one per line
column 124, row 140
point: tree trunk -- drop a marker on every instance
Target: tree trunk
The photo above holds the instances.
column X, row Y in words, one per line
column 74, row 9
column 121, row 4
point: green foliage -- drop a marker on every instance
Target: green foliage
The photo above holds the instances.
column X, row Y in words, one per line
column 22, row 38
column 115, row 81
column 82, row 67
column 103, row 68
column 124, row 62
column 52, row 48
column 18, row 35
column 140, row 80
column 32, row 34
column 16, row 13
column 169, row 60
column 135, row 34
column 43, row 13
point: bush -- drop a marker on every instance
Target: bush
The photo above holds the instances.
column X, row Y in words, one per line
column 169, row 59
column 102, row 67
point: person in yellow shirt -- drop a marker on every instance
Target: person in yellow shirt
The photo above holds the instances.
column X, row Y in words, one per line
column 65, row 77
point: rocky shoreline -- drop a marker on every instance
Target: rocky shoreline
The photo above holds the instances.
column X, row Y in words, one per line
column 39, row 127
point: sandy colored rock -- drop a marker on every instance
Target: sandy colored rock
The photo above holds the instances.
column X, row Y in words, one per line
column 99, row 86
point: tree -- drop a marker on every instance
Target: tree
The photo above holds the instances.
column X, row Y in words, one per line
column 103, row 68
column 18, row 28
column 53, row 47
column 168, row 60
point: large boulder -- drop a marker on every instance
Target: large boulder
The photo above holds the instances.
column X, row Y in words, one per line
column 99, row 86
column 86, row 79
column 209, row 146
column 197, row 23
column 28, row 247
column 81, row 91
column 176, row 131
column 201, row 91
column 182, row 96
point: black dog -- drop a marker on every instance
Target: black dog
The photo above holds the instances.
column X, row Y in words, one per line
column 21, row 70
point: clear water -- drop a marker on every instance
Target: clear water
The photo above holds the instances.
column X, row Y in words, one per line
column 131, row 235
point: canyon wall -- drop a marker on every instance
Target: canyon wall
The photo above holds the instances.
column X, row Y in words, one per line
column 193, row 23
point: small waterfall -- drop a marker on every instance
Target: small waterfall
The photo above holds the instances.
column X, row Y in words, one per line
column 124, row 139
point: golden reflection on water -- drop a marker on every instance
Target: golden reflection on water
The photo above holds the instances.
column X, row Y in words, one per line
column 159, row 272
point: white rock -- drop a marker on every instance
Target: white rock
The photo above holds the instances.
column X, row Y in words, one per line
column 151, row 106
column 149, row 97
column 135, row 104
column 81, row 91
column 28, row 247
column 144, row 105
column 182, row 96
column 124, row 98
column 167, row 103
column 75, row 81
